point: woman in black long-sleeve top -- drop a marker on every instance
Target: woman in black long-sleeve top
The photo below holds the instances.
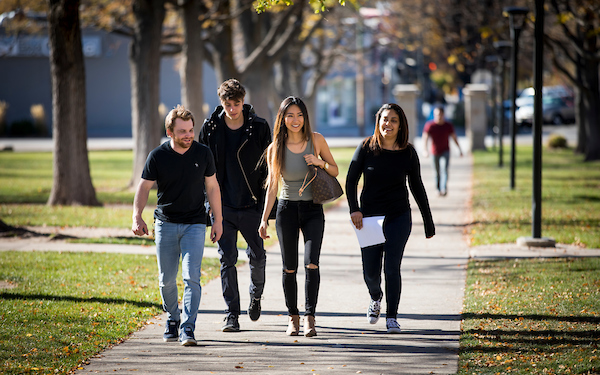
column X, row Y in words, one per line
column 386, row 160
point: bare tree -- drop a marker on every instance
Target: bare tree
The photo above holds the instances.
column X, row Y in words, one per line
column 248, row 44
column 144, row 62
column 313, row 54
column 72, row 184
column 578, row 45
column 192, row 58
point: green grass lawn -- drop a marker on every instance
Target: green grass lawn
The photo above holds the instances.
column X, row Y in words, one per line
column 570, row 198
column 27, row 181
column 531, row 316
column 65, row 307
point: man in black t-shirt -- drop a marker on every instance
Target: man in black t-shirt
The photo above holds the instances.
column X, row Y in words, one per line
column 238, row 138
column 183, row 170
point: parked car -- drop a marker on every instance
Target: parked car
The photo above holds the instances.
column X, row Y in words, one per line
column 525, row 97
column 555, row 110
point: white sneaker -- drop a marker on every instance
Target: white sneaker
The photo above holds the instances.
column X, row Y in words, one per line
column 392, row 325
column 373, row 311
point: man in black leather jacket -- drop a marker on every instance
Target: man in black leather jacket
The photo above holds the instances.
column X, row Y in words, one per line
column 238, row 138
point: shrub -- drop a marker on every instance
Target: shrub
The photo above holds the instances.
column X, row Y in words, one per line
column 22, row 128
column 557, row 141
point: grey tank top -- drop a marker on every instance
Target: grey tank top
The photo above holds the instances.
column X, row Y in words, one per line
column 294, row 170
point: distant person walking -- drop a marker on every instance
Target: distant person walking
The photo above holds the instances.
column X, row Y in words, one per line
column 439, row 130
column 386, row 161
column 294, row 148
column 183, row 169
column 238, row 139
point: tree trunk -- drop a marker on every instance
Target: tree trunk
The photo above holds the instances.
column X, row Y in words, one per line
column 221, row 57
column 72, row 184
column 579, row 110
column 259, row 84
column 192, row 58
column 144, row 62
column 591, row 99
column 588, row 66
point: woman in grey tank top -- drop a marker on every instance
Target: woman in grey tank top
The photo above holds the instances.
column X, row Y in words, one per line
column 295, row 146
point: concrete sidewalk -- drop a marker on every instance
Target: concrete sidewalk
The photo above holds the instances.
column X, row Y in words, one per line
column 433, row 281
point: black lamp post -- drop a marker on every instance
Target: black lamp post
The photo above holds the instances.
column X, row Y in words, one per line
column 516, row 17
column 502, row 47
column 536, row 238
column 538, row 83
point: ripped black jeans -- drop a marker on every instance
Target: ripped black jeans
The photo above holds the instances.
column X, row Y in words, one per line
column 293, row 217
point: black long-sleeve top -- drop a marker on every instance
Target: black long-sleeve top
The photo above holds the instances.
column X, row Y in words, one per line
column 384, row 191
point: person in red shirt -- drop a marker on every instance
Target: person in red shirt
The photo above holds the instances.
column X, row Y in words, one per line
column 439, row 130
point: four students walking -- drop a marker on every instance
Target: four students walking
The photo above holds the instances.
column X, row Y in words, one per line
column 241, row 171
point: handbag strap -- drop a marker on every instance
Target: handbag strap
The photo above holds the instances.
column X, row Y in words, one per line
column 304, row 183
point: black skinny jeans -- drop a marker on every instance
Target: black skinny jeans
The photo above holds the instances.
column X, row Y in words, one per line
column 293, row 217
column 396, row 233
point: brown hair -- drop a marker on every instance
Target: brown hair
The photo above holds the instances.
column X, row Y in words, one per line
column 376, row 141
column 175, row 113
column 231, row 89
column 276, row 151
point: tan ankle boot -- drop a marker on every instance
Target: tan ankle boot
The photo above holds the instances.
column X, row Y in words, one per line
column 293, row 325
column 309, row 326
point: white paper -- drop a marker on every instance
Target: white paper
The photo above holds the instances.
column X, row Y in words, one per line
column 372, row 231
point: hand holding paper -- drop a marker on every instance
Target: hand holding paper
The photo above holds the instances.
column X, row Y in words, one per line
column 371, row 232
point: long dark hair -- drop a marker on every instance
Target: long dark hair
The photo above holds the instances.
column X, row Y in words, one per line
column 376, row 141
column 276, row 151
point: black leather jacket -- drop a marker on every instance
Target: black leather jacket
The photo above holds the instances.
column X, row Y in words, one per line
column 249, row 155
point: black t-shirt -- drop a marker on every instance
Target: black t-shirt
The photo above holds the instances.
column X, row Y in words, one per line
column 180, row 179
column 384, row 189
column 233, row 187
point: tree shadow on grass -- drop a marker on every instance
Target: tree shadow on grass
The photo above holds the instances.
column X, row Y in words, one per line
column 526, row 338
column 108, row 301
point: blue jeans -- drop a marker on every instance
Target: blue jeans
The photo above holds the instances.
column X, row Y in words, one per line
column 440, row 165
column 396, row 232
column 185, row 241
column 293, row 217
column 246, row 221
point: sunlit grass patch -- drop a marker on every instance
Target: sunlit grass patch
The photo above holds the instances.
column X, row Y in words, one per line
column 570, row 198
column 534, row 316
column 65, row 307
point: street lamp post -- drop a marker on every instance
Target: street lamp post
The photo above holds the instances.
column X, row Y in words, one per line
column 502, row 47
column 516, row 17
column 536, row 209
column 538, row 83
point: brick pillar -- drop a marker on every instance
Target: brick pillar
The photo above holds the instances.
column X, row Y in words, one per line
column 476, row 124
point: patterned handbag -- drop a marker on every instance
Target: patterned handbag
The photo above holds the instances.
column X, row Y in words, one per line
column 325, row 188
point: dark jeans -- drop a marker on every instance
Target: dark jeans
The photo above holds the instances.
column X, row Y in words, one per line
column 396, row 231
column 246, row 221
column 293, row 217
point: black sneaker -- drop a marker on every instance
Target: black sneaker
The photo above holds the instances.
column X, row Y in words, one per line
column 231, row 324
column 254, row 309
column 187, row 337
column 171, row 331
